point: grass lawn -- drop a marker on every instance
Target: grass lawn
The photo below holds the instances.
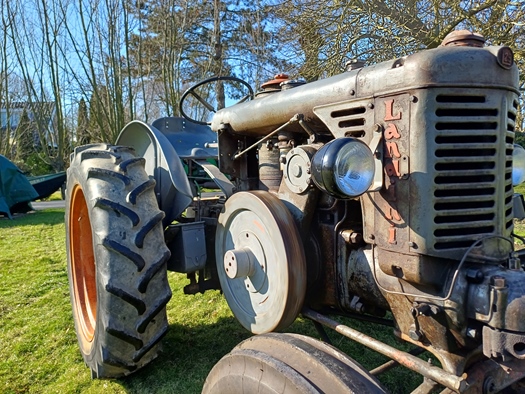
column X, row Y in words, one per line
column 39, row 352
column 519, row 225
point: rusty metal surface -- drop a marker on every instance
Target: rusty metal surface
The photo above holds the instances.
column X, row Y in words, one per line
column 442, row 66
column 409, row 361
column 392, row 363
column 358, row 281
column 431, row 242
column 490, row 377
column 244, row 170
column 270, row 173
column 464, row 38
column 265, row 114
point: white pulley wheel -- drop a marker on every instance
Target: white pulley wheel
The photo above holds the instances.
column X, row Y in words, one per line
column 260, row 261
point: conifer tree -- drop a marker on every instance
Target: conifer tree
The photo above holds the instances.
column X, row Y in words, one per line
column 25, row 137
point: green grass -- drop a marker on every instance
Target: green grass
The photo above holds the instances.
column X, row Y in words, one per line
column 519, row 225
column 39, row 353
column 38, row 348
column 56, row 196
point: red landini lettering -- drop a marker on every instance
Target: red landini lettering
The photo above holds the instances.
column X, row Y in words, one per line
column 392, row 150
column 393, row 214
column 392, row 236
column 391, row 132
column 389, row 109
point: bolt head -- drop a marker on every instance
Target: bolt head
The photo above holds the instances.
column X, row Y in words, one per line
column 498, row 281
column 415, row 335
column 414, row 332
column 378, row 128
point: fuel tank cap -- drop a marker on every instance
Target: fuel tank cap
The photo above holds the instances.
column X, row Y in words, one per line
column 464, row 38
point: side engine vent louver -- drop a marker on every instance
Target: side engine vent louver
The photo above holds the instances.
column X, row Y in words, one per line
column 350, row 120
column 347, row 118
column 467, row 164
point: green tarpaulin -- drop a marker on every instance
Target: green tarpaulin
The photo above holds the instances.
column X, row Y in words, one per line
column 15, row 190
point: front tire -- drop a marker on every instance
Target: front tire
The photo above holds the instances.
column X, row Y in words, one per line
column 276, row 363
column 116, row 260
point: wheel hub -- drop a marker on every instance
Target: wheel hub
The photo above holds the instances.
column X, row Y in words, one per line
column 247, row 261
column 260, row 261
column 239, row 263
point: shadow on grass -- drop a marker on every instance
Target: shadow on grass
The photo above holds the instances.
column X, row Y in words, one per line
column 189, row 353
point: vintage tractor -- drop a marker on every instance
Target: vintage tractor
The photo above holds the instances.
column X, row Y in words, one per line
column 386, row 190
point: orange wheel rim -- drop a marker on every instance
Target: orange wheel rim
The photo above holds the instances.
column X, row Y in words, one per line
column 82, row 267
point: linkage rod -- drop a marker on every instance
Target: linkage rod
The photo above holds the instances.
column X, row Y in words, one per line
column 292, row 120
column 409, row 361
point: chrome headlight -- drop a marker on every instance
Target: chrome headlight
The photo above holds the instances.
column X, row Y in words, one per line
column 344, row 168
column 518, row 165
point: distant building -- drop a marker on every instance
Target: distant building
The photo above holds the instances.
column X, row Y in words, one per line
column 41, row 114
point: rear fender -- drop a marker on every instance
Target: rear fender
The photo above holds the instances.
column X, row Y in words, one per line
column 190, row 140
column 172, row 189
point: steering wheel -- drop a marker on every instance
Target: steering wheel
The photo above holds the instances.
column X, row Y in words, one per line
column 192, row 92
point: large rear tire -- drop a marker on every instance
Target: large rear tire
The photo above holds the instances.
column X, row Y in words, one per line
column 116, row 260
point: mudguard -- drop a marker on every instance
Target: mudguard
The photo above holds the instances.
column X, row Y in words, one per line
column 190, row 140
column 197, row 143
column 173, row 190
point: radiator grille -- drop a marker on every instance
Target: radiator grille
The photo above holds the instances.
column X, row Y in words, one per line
column 468, row 158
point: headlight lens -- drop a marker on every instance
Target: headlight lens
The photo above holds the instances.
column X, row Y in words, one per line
column 344, row 168
column 518, row 165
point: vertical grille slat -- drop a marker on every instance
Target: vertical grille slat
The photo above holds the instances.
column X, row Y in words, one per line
column 468, row 145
